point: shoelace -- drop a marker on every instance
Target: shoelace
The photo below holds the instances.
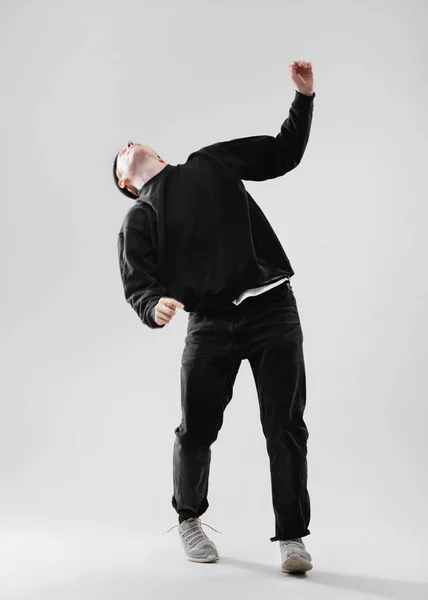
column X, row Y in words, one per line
column 293, row 545
column 194, row 530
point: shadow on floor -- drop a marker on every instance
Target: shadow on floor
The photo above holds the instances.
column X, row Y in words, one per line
column 386, row 588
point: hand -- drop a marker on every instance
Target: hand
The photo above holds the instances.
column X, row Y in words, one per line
column 165, row 310
column 302, row 76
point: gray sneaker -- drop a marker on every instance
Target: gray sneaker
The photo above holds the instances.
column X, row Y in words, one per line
column 197, row 545
column 294, row 556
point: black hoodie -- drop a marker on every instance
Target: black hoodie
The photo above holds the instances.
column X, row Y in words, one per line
column 195, row 234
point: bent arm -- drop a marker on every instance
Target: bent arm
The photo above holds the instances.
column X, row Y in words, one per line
column 138, row 270
column 262, row 157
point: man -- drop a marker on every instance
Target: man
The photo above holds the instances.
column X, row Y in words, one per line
column 195, row 239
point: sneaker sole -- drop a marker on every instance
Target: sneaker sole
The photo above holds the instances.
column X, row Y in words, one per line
column 296, row 564
column 208, row 559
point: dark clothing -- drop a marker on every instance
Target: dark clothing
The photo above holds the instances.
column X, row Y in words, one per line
column 266, row 330
column 195, row 234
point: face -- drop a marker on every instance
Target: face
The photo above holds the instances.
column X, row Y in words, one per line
column 129, row 161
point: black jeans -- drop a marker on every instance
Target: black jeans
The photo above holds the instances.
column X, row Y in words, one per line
column 266, row 330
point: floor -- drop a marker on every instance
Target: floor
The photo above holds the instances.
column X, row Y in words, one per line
column 79, row 565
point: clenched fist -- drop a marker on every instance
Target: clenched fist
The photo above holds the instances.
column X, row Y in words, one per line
column 302, row 76
column 165, row 310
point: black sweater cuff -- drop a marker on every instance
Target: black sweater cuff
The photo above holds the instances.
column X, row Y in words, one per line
column 151, row 316
column 303, row 101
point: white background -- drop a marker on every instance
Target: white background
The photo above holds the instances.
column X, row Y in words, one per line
column 90, row 397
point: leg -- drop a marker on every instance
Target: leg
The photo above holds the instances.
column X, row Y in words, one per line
column 208, row 372
column 278, row 366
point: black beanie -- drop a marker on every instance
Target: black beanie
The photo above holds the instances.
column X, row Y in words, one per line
column 123, row 190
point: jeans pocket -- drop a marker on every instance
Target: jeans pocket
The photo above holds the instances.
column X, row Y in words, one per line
column 283, row 294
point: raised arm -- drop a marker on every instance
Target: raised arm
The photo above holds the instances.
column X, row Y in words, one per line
column 262, row 157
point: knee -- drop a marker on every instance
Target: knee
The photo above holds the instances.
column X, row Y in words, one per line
column 195, row 438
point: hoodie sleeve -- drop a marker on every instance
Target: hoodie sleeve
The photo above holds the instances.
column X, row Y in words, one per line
column 262, row 157
column 138, row 270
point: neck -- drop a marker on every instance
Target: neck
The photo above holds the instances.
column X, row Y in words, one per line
column 148, row 172
column 152, row 170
